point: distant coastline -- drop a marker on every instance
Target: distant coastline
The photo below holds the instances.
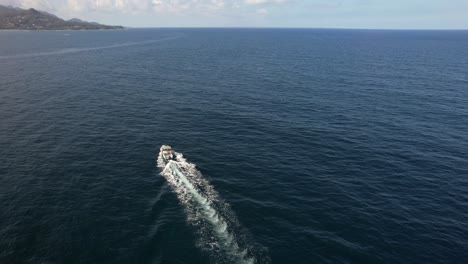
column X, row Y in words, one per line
column 65, row 30
column 14, row 18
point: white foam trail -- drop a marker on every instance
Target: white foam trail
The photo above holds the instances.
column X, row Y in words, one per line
column 216, row 224
column 76, row 50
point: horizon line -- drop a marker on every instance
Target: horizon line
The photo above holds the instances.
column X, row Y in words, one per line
column 335, row 28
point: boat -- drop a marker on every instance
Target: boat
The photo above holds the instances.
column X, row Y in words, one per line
column 167, row 153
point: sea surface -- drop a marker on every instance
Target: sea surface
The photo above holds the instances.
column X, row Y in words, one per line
column 295, row 145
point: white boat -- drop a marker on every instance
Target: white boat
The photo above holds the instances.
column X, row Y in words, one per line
column 167, row 153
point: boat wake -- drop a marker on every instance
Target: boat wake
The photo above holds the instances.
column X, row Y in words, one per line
column 219, row 232
column 76, row 50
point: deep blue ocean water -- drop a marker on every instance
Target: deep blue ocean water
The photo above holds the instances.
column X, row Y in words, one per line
column 328, row 146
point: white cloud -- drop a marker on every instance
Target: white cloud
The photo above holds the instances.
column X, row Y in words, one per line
column 257, row 2
column 179, row 6
column 262, row 12
column 26, row 4
column 77, row 5
column 171, row 6
column 139, row 6
column 70, row 8
column 124, row 6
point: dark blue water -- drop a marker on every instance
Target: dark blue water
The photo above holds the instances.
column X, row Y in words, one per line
column 326, row 146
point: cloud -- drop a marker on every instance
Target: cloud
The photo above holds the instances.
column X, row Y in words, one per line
column 192, row 7
column 26, row 4
column 178, row 6
column 258, row 2
column 123, row 6
column 262, row 12
column 140, row 6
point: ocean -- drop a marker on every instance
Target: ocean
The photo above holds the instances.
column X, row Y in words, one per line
column 295, row 145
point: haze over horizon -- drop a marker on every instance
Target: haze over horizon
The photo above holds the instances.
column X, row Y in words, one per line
column 364, row 14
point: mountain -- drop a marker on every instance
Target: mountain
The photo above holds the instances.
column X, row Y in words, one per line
column 76, row 20
column 32, row 19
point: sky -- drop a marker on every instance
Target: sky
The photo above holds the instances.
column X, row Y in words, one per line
column 379, row 14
